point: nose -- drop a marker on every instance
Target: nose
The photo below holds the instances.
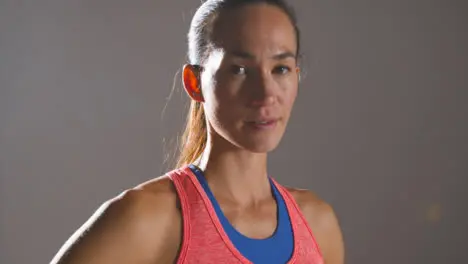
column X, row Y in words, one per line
column 263, row 90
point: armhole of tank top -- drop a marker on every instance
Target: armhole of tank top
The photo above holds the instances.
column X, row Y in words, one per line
column 185, row 214
column 291, row 201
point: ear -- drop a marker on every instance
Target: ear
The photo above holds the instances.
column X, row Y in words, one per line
column 191, row 80
column 298, row 71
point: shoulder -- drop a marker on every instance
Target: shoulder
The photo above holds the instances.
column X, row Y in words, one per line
column 150, row 214
column 317, row 211
column 141, row 225
column 157, row 194
column 151, row 204
column 323, row 222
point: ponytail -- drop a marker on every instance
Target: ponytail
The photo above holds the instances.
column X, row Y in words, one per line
column 195, row 136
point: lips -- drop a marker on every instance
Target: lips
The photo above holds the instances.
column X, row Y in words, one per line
column 263, row 120
column 262, row 123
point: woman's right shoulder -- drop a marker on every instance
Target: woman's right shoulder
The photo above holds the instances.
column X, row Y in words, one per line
column 142, row 224
column 155, row 201
column 157, row 194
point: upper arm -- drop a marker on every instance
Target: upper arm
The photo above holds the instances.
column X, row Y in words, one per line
column 325, row 226
column 136, row 227
column 329, row 236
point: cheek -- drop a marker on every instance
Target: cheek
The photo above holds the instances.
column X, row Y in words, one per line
column 293, row 96
column 289, row 94
column 227, row 93
column 221, row 103
column 228, row 105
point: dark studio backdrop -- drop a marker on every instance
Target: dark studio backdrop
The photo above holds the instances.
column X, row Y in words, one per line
column 379, row 130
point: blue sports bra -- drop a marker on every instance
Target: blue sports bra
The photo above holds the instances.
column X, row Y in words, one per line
column 277, row 248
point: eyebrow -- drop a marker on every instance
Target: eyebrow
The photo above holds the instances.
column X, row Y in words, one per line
column 246, row 55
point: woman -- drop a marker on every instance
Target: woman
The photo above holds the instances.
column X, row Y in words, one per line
column 220, row 206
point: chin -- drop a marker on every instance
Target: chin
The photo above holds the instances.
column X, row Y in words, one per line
column 260, row 145
column 254, row 141
column 261, row 149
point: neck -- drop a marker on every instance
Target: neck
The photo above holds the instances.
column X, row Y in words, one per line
column 233, row 173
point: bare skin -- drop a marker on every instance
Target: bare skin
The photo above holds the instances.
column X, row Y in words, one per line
column 251, row 76
column 144, row 225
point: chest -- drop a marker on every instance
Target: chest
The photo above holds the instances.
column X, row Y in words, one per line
column 256, row 221
column 210, row 228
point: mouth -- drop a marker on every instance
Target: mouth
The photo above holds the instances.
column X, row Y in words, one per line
column 262, row 123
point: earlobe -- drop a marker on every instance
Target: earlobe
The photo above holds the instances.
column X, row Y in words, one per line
column 298, row 71
column 191, row 81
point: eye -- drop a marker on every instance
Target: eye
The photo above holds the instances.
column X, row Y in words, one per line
column 281, row 69
column 238, row 70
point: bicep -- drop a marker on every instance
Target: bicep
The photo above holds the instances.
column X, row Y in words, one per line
column 120, row 231
column 331, row 239
column 325, row 226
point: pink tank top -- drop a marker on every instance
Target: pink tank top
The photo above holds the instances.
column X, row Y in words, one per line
column 204, row 240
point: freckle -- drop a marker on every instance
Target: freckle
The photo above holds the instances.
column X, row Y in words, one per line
column 434, row 213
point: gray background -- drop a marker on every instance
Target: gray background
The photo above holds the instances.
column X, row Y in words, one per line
column 379, row 129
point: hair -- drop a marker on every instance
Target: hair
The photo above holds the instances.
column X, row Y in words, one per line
column 200, row 44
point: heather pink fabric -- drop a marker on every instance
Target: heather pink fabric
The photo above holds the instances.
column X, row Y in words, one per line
column 204, row 240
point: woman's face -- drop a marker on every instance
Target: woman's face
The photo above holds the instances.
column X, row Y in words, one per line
column 250, row 80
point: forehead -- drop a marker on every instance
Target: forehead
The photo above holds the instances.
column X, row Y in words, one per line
column 259, row 29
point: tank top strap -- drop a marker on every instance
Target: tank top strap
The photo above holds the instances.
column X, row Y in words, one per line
column 204, row 240
column 306, row 244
